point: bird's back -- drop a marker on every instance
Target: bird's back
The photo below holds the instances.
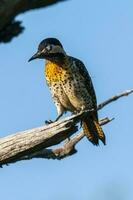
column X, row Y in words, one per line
column 82, row 83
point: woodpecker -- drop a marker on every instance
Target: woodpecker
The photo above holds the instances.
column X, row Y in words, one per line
column 71, row 86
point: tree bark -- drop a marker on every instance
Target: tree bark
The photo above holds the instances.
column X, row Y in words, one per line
column 33, row 143
column 9, row 9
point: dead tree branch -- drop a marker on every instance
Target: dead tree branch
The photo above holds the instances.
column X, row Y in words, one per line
column 114, row 98
column 9, row 27
column 33, row 143
column 67, row 149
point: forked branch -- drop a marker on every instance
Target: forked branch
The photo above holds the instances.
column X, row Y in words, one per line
column 34, row 143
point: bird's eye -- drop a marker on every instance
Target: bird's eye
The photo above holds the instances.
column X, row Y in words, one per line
column 48, row 47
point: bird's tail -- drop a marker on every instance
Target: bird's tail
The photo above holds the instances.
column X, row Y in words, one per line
column 93, row 130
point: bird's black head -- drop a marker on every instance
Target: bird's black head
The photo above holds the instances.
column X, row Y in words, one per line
column 50, row 49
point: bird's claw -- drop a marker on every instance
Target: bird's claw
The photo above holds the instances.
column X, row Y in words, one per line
column 48, row 122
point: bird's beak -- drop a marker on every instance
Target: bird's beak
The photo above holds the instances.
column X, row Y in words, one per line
column 35, row 56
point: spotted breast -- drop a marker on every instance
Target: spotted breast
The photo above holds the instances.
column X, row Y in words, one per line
column 56, row 76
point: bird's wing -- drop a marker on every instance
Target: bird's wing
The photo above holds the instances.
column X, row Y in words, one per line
column 87, row 80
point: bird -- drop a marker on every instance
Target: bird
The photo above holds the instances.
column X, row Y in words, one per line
column 71, row 86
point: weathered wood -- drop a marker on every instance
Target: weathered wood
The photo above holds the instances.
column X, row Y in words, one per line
column 33, row 143
column 67, row 149
column 9, row 9
column 22, row 143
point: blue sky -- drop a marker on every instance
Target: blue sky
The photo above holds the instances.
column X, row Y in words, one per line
column 101, row 34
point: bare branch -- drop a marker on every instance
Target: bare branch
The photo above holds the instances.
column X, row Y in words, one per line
column 33, row 143
column 17, row 145
column 114, row 98
column 67, row 149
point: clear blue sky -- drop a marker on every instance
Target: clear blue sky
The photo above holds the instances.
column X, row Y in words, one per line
column 101, row 34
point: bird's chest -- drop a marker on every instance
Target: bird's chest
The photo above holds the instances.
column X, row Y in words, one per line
column 54, row 73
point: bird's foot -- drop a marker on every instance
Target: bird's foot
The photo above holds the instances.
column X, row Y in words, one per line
column 48, row 122
column 58, row 117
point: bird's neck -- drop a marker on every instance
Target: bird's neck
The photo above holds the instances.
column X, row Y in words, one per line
column 57, row 57
column 60, row 61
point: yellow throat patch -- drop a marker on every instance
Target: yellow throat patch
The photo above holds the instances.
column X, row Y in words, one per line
column 53, row 72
